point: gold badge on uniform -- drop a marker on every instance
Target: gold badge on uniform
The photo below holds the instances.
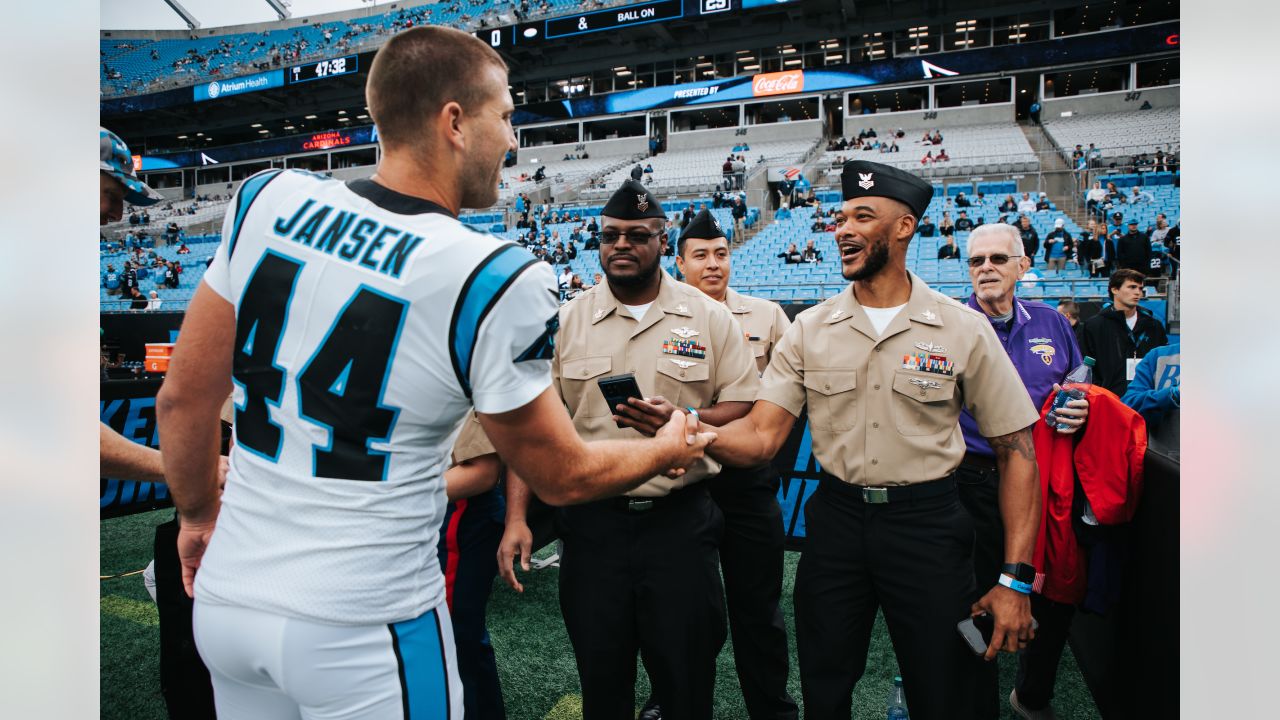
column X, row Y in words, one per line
column 1042, row 347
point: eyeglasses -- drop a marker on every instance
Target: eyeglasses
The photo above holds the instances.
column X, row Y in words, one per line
column 977, row 261
column 635, row 238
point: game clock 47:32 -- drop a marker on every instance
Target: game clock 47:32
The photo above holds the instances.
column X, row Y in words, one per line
column 331, row 67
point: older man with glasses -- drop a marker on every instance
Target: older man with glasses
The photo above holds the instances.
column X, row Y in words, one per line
column 1042, row 346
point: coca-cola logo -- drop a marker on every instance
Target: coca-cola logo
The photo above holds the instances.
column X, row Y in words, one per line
column 779, row 83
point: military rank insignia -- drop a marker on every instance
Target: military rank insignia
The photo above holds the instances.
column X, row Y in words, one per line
column 685, row 348
column 925, row 362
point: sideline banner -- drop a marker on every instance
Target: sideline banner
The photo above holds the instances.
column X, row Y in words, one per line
column 129, row 408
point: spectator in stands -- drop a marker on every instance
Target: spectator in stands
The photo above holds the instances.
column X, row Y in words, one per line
column 726, row 171
column 128, row 279
column 183, row 249
column 819, row 225
column 962, row 201
column 1008, row 205
column 137, row 301
column 926, row 228
column 564, row 279
column 926, row 139
column 1156, row 393
column 739, row 217
column 937, row 137
column 1133, row 250
column 928, row 158
column 811, row 253
column 981, row 200
column 1140, row 196
column 1058, row 247
column 1026, row 204
column 111, row 280
column 740, row 172
column 153, row 301
column 946, row 228
column 576, row 286
column 170, row 276
column 1042, row 202
column 1094, row 199
column 1095, row 156
column 963, row 223
column 1030, row 239
column 949, row 251
column 1114, row 196
column 942, row 156
column 571, row 251
column 1161, row 161
column 791, row 256
column 596, row 279
column 1121, row 333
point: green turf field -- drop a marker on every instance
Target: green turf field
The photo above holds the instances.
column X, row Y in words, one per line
column 538, row 675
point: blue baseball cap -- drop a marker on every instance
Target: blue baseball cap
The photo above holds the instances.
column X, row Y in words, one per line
column 118, row 163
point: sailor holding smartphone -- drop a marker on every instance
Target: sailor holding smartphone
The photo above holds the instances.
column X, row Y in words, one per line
column 640, row 573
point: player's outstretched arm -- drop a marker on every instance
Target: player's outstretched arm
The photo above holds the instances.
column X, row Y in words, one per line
column 119, row 457
column 472, row 477
column 752, row 439
column 538, row 441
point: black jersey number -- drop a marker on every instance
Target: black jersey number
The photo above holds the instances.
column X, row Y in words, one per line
column 341, row 386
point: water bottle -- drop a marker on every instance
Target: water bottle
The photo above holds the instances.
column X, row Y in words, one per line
column 1074, row 387
column 897, row 702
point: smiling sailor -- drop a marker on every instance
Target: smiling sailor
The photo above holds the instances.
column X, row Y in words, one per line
column 885, row 368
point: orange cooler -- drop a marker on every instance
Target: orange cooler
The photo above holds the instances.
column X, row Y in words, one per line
column 157, row 360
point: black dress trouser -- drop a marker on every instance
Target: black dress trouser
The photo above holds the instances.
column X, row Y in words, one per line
column 184, row 680
column 979, row 486
column 751, row 562
column 644, row 582
column 914, row 560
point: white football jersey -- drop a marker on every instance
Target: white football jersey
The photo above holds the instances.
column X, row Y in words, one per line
column 367, row 323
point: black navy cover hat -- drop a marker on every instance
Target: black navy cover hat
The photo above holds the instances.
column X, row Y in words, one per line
column 871, row 179
column 703, row 226
column 633, row 201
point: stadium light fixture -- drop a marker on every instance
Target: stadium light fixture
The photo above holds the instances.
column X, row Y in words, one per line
column 182, row 137
column 623, row 73
column 290, row 127
column 342, row 112
column 310, row 117
column 344, row 119
column 199, row 134
column 836, row 56
column 263, row 131
column 362, row 117
column 792, row 61
column 754, row 66
column 256, row 125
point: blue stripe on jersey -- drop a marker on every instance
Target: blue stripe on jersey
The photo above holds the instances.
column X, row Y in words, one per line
column 248, row 192
column 424, row 673
column 479, row 294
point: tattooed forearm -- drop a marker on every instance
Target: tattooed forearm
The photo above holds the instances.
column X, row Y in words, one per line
column 1019, row 442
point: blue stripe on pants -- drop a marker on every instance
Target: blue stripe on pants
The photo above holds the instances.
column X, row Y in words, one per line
column 423, row 674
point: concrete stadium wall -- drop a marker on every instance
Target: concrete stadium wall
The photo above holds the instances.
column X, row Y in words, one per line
column 919, row 121
column 595, row 148
column 1120, row 101
column 728, row 137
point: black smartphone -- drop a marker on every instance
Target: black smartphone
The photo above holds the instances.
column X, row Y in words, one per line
column 977, row 631
column 617, row 389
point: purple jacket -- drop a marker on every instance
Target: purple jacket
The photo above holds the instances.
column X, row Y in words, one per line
column 1043, row 348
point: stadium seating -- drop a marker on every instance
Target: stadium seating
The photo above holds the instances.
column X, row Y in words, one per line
column 1118, row 135
column 136, row 65
column 973, row 149
column 681, row 172
column 173, row 299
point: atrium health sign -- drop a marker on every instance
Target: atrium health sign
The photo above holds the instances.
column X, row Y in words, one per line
column 215, row 89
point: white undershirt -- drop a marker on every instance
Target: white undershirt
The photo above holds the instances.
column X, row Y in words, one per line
column 881, row 317
column 638, row 311
column 1132, row 320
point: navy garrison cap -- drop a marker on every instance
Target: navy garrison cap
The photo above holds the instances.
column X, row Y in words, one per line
column 871, row 179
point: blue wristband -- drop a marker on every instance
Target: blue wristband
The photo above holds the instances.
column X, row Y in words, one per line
column 1015, row 585
column 694, row 413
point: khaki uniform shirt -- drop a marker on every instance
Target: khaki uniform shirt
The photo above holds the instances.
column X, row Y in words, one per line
column 472, row 442
column 884, row 410
column 763, row 323
column 598, row 337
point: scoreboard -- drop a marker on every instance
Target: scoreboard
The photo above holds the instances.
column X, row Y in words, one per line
column 559, row 28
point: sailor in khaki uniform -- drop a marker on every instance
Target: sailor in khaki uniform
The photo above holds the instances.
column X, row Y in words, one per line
column 640, row 573
column 754, row 540
column 884, row 368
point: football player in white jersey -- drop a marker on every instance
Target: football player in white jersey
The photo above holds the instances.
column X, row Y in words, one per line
column 358, row 322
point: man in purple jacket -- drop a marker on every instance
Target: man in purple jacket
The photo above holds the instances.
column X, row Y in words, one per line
column 1042, row 346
